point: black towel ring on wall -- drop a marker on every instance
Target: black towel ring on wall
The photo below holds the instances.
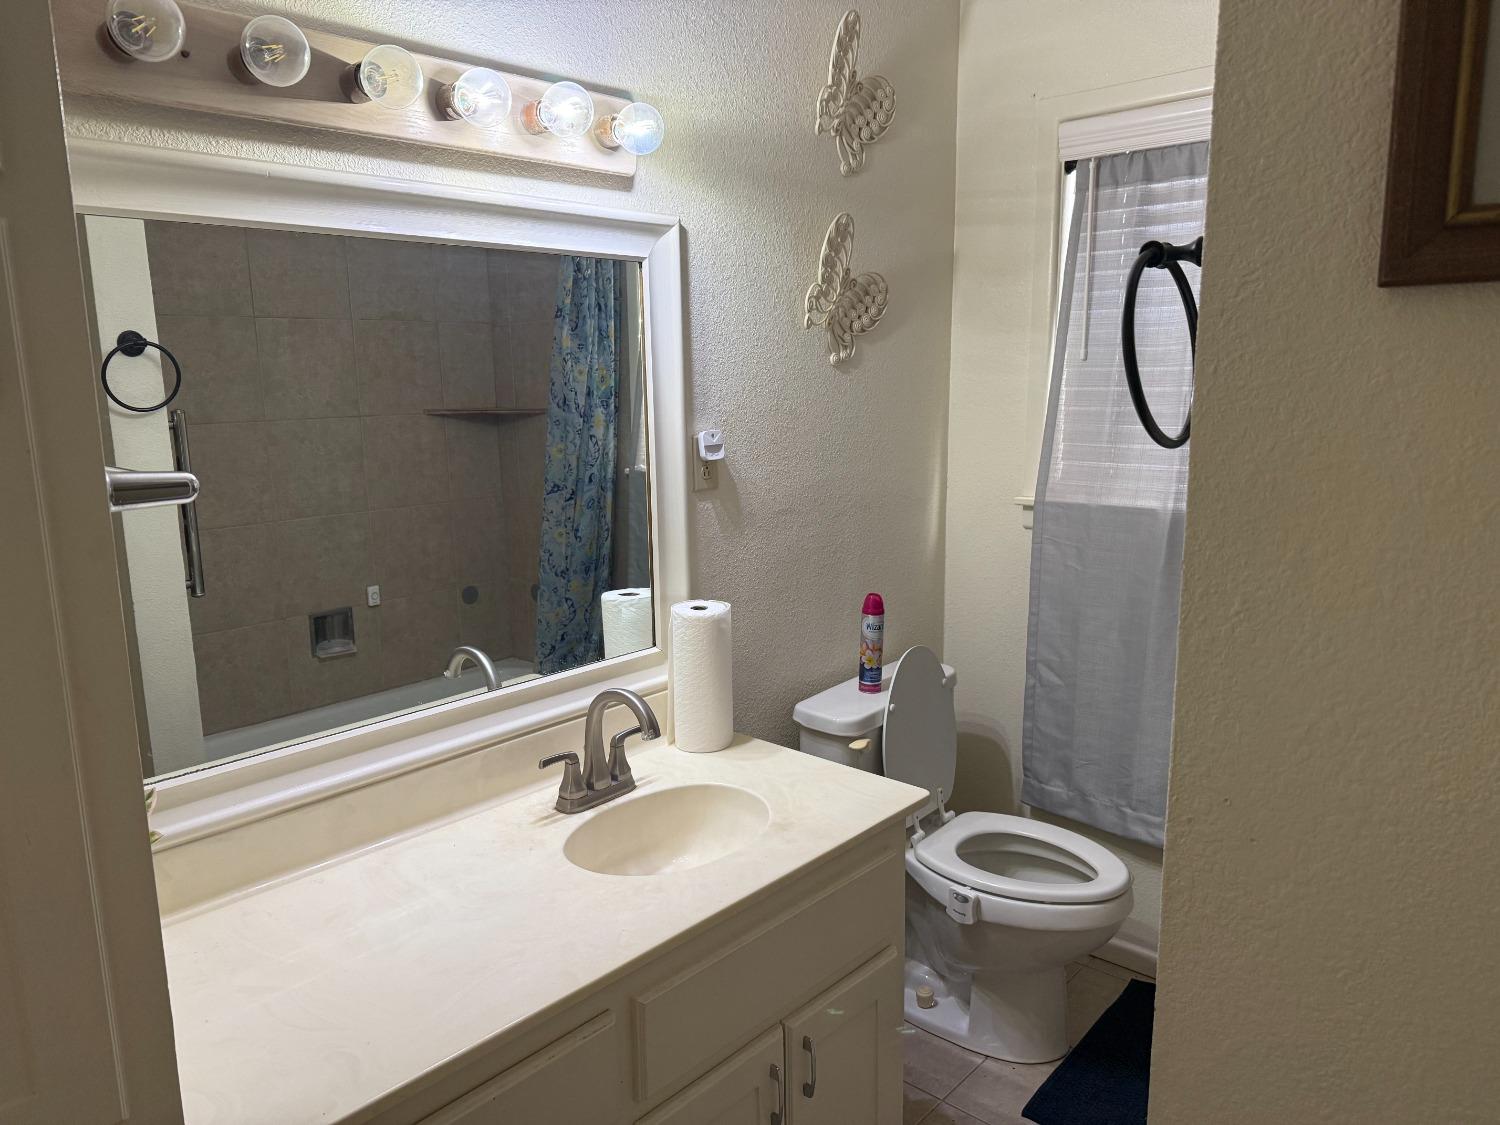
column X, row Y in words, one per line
column 132, row 344
column 1159, row 255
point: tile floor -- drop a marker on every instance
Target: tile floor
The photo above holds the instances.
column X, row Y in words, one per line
column 947, row 1085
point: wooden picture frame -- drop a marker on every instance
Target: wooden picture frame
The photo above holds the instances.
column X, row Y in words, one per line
column 1442, row 204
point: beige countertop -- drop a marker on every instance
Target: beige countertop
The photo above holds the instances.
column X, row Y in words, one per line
column 311, row 998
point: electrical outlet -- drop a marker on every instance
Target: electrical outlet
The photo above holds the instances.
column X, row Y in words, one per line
column 372, row 595
column 705, row 475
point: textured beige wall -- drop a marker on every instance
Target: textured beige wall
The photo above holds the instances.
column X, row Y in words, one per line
column 834, row 484
column 1011, row 53
column 1331, row 883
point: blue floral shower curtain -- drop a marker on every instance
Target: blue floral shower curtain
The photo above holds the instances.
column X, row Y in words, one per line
column 579, row 480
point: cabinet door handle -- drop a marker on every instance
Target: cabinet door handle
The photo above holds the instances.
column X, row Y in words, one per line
column 810, row 1087
column 778, row 1108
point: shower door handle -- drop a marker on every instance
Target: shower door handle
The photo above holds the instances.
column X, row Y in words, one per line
column 129, row 489
column 145, row 488
column 192, row 544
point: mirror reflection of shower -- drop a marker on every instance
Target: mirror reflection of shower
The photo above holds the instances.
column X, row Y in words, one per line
column 408, row 453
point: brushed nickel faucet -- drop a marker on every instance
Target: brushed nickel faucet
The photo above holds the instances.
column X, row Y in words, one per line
column 601, row 777
column 468, row 654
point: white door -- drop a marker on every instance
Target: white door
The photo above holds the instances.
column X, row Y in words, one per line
column 843, row 1050
column 746, row 1089
column 85, row 1025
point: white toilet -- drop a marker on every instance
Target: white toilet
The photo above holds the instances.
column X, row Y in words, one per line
column 996, row 905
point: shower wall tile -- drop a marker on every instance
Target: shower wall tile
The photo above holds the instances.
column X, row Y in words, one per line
column 198, row 269
column 484, row 619
column 319, row 466
column 298, row 275
column 233, row 463
column 473, row 457
column 399, row 365
column 522, row 620
column 220, row 363
column 405, row 460
column 411, row 550
column 242, row 676
column 417, row 635
column 322, row 563
column 505, row 383
column 478, row 535
column 240, row 583
column 522, row 470
column 468, row 365
column 317, row 683
column 530, row 312
column 463, row 285
column 391, row 280
column 307, row 368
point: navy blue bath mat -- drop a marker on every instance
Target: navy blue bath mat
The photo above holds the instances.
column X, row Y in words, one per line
column 1104, row 1079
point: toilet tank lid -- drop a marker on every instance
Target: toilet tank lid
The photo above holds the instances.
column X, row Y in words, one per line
column 846, row 712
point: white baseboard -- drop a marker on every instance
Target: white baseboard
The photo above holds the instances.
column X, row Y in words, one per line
column 1133, row 948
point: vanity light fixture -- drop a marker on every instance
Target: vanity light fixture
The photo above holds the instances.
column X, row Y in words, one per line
column 479, row 96
column 637, row 128
column 389, row 76
column 275, row 51
column 566, row 110
column 147, row 30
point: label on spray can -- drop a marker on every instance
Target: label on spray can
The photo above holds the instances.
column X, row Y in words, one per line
column 871, row 643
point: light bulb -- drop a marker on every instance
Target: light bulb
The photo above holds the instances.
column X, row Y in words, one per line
column 638, row 129
column 566, row 110
column 149, row 30
column 275, row 51
column 479, row 96
column 390, row 76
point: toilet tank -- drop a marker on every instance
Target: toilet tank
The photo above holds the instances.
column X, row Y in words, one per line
column 829, row 723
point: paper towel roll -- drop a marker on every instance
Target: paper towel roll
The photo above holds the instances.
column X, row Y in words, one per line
column 627, row 621
column 702, row 676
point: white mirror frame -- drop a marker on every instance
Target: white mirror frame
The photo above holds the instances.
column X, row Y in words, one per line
column 124, row 180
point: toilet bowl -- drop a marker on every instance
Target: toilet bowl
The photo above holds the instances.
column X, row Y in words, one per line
column 996, row 905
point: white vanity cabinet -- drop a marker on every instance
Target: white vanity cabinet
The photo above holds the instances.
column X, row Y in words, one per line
column 807, row 981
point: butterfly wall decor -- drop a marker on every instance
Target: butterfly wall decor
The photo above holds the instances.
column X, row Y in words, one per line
column 844, row 305
column 855, row 110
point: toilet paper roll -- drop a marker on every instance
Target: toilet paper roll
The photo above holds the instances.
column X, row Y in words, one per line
column 702, row 676
column 627, row 621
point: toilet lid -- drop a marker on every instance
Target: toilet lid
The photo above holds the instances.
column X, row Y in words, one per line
column 920, row 736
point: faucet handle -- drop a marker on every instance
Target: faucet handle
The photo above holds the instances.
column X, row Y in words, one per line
column 572, row 780
column 619, row 767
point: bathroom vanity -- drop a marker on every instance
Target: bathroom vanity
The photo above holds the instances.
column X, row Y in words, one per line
column 494, row 967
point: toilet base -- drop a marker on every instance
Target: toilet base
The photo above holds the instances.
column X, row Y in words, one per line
column 1018, row 1017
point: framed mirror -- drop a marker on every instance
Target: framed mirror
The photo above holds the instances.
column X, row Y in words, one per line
column 425, row 461
column 1442, row 213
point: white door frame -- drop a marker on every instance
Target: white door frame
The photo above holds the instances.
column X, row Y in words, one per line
column 85, row 1019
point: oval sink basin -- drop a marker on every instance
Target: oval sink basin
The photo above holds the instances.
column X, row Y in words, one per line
column 668, row 830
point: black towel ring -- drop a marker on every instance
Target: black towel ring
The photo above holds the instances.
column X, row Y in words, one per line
column 1159, row 255
column 132, row 344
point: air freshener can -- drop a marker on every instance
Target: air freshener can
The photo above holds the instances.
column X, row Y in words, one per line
column 871, row 643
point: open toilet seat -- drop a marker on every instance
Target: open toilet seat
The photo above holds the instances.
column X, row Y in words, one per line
column 1026, row 860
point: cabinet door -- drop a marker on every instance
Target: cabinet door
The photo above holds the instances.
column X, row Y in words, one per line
column 748, row 1089
column 844, row 1050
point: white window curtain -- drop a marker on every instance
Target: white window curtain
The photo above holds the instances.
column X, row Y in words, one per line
column 1106, row 556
